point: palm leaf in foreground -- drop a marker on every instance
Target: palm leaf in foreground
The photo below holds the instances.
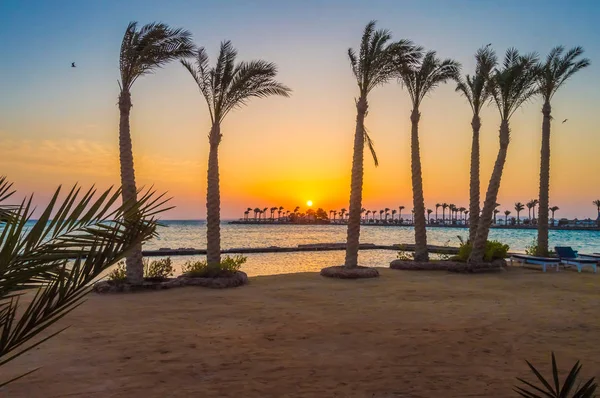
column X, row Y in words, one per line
column 59, row 258
column 547, row 390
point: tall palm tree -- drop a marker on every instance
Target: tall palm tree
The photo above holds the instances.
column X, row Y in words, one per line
column 246, row 215
column 475, row 90
column 334, row 214
column 519, row 208
column 387, row 211
column 142, row 52
column 506, row 214
column 437, row 205
column 419, row 80
column 462, row 210
column 429, row 211
column 256, row 213
column 381, row 215
column 510, row 85
column 553, row 73
column 225, row 87
column 362, row 211
column 400, row 208
column 529, row 207
column 373, row 213
column 553, row 209
column 535, row 203
column 394, row 211
column 367, row 215
column 496, row 211
column 444, row 207
column 373, row 65
column 452, row 209
column 342, row 213
column 248, row 209
column 296, row 209
column 597, row 204
column 279, row 211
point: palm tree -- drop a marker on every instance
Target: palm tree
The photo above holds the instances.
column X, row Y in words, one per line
column 506, row 214
column 362, row 211
column 510, row 85
column 256, row 213
column 529, row 207
column 142, row 52
column 394, row 211
column 496, row 211
column 225, row 87
column 248, row 210
column 342, row 212
column 535, row 203
column 519, row 208
column 420, row 80
column 296, row 209
column 475, row 90
column 552, row 75
column 597, row 204
column 452, row 209
column 553, row 209
column 437, row 205
column 400, row 208
column 386, row 210
column 374, row 65
column 373, row 213
column 444, row 207
column 334, row 214
column 367, row 215
column 279, row 211
column 75, row 239
column 429, row 211
column 246, row 215
column 462, row 210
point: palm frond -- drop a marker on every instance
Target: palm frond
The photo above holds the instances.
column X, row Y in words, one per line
column 7, row 212
column 73, row 241
column 371, row 145
column 558, row 68
column 201, row 73
column 150, row 47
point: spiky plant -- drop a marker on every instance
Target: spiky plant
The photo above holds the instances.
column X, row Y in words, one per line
column 59, row 255
column 552, row 388
column 475, row 90
column 225, row 87
column 511, row 85
column 519, row 208
column 420, row 80
column 142, row 52
column 373, row 65
column 558, row 67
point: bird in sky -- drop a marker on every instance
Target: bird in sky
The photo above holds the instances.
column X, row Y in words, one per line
column 565, row 120
column 73, row 65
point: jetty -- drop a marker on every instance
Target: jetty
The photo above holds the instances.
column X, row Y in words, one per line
column 313, row 247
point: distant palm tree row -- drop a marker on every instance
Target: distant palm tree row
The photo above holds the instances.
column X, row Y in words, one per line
column 229, row 85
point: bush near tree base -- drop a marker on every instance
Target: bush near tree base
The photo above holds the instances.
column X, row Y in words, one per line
column 201, row 269
column 494, row 250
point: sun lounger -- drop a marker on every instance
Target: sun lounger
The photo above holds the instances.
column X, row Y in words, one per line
column 568, row 257
column 594, row 256
column 543, row 261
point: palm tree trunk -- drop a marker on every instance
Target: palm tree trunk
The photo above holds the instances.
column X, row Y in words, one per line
column 474, row 184
column 134, row 264
column 483, row 227
column 213, row 200
column 542, row 241
column 352, row 240
column 417, row 185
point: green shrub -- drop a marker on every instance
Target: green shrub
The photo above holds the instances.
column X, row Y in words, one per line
column 201, row 269
column 118, row 274
column 532, row 249
column 550, row 388
column 404, row 254
column 158, row 269
column 493, row 250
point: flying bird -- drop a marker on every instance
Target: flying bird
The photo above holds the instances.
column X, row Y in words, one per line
column 565, row 120
column 73, row 65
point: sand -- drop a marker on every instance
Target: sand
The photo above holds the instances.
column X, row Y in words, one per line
column 405, row 334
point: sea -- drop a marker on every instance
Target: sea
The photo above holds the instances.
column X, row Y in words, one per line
column 192, row 234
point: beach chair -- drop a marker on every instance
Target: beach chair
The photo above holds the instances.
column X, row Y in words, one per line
column 569, row 257
column 543, row 261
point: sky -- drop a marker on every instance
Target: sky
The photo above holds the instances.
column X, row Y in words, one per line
column 59, row 125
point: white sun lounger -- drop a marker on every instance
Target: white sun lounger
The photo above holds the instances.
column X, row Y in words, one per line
column 543, row 261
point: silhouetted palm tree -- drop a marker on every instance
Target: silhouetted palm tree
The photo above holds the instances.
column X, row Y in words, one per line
column 386, row 210
column 452, row 209
column 367, row 215
column 429, row 211
column 519, row 208
column 529, row 207
column 510, row 85
column 381, row 215
column 553, row 209
column 462, row 210
column 420, row 80
column 225, row 87
column 475, row 89
column 496, row 211
column 142, row 52
column 374, row 65
column 362, row 211
column 597, row 204
column 506, row 214
column 279, row 211
column 394, row 211
column 437, row 206
column 535, row 203
column 256, row 214
column 246, row 214
column 552, row 74
column 400, row 208
column 444, row 207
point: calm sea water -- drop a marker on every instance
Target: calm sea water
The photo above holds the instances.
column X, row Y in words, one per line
column 176, row 234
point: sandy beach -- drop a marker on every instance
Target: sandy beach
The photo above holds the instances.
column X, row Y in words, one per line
column 405, row 334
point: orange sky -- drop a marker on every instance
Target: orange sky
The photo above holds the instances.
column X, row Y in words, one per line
column 61, row 126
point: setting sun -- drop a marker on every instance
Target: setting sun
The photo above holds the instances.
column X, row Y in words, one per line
column 309, row 203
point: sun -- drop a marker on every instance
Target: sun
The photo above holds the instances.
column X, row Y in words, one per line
column 309, row 203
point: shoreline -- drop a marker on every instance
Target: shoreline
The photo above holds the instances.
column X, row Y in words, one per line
column 552, row 228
